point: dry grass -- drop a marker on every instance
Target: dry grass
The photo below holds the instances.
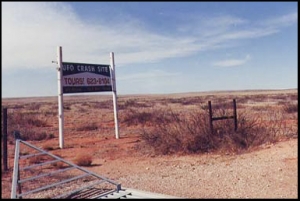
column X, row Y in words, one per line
column 83, row 159
column 170, row 123
column 290, row 107
column 191, row 133
column 152, row 124
column 58, row 165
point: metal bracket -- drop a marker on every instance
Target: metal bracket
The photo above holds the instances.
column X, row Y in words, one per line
column 16, row 134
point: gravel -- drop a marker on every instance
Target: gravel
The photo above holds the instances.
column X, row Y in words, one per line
column 267, row 173
column 270, row 172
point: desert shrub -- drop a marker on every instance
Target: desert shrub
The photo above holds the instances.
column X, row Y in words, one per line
column 176, row 134
column 48, row 146
column 243, row 99
column 24, row 152
column 135, row 117
column 59, row 164
column 81, row 110
column 145, row 117
column 108, row 104
column 27, row 124
column 279, row 127
column 220, row 105
column 191, row 133
column 290, row 107
column 36, row 122
column 185, row 101
column 259, row 97
column 17, row 107
column 49, row 112
column 251, row 132
column 175, row 100
column 50, row 136
column 88, row 127
column 192, row 101
column 294, row 96
column 67, row 107
column 187, row 135
column 34, row 106
column 30, row 134
column 21, row 119
column 131, row 103
column 83, row 159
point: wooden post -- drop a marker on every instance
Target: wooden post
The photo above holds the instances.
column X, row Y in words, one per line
column 210, row 117
column 234, row 115
column 5, row 139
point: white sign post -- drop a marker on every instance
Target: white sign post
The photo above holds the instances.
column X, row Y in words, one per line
column 60, row 98
column 80, row 78
column 114, row 91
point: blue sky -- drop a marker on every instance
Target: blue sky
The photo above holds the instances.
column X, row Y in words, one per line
column 159, row 47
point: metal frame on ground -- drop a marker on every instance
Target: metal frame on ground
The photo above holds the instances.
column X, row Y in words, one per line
column 46, row 179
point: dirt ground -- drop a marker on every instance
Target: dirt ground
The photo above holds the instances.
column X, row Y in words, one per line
column 268, row 171
column 271, row 171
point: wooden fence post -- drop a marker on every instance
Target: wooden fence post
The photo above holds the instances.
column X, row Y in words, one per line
column 4, row 134
column 210, row 117
column 235, row 115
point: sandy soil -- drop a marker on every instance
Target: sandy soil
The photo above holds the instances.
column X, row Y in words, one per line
column 271, row 171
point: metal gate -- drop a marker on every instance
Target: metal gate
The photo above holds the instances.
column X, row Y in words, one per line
column 43, row 175
column 44, row 178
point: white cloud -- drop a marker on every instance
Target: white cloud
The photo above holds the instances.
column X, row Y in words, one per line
column 285, row 20
column 208, row 26
column 232, row 62
column 31, row 32
column 147, row 75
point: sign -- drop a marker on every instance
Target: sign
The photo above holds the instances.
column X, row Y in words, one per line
column 80, row 77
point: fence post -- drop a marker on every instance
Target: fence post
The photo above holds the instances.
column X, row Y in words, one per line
column 234, row 115
column 210, row 117
column 5, row 139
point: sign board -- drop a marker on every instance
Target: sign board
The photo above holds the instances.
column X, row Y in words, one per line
column 80, row 77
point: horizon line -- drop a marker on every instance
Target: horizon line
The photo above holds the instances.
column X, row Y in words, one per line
column 141, row 94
